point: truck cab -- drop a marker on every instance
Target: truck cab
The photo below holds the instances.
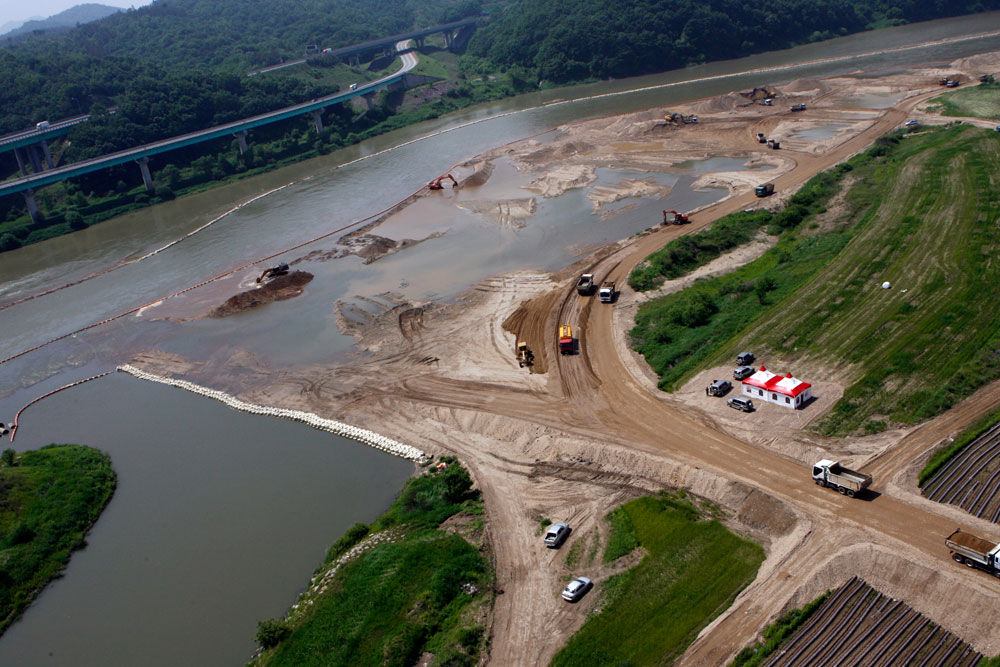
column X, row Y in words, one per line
column 607, row 292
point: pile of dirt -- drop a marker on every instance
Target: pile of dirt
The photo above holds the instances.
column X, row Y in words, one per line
column 507, row 212
column 279, row 289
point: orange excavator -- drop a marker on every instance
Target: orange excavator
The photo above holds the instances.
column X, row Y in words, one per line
column 679, row 218
column 436, row 183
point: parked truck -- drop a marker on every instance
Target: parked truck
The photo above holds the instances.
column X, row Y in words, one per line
column 847, row 482
column 565, row 339
column 585, row 286
column 974, row 552
column 607, row 292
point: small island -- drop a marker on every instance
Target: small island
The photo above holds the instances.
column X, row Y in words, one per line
column 49, row 499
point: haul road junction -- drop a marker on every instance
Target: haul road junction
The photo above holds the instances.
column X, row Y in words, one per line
column 591, row 430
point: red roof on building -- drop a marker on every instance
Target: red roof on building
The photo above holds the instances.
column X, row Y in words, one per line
column 780, row 384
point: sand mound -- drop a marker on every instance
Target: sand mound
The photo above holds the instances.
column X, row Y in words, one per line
column 279, row 289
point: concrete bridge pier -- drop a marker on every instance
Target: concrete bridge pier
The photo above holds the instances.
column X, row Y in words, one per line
column 29, row 200
column 449, row 39
column 354, row 60
column 241, row 139
column 20, row 162
column 420, row 42
column 369, row 100
column 47, row 153
column 317, row 117
column 35, row 159
column 147, row 178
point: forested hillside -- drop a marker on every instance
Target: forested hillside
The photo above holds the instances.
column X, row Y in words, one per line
column 197, row 52
column 572, row 40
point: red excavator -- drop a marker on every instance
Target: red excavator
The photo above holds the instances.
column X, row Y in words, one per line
column 679, row 218
column 436, row 183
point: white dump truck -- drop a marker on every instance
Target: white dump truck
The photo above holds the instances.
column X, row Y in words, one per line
column 847, row 482
column 607, row 292
column 974, row 551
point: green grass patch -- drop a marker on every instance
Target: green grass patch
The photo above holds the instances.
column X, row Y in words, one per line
column 776, row 634
column 49, row 499
column 982, row 101
column 650, row 614
column 920, row 214
column 622, row 538
column 400, row 599
column 940, row 457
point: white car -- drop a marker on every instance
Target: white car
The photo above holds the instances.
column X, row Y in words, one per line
column 576, row 589
column 911, row 123
column 353, row 86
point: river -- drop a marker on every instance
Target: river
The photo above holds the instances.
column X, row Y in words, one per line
column 220, row 517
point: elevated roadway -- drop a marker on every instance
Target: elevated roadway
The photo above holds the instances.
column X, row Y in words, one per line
column 26, row 183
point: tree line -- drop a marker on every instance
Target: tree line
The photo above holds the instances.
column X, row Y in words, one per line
column 573, row 40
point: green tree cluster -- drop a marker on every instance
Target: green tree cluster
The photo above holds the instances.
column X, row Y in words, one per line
column 574, row 40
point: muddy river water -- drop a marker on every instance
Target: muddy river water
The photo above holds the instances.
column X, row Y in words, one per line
column 220, row 517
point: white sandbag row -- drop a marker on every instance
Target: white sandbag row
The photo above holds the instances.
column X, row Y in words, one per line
column 370, row 438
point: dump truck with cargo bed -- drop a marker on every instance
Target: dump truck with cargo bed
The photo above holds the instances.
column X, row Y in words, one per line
column 565, row 339
column 765, row 190
column 585, row 285
column 607, row 291
column 847, row 482
column 974, row 551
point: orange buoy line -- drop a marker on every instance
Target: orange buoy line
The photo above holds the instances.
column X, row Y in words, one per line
column 13, row 428
column 221, row 275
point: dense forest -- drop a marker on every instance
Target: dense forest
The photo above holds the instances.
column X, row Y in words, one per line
column 573, row 40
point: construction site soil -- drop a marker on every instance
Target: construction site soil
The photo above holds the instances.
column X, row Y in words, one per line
column 575, row 435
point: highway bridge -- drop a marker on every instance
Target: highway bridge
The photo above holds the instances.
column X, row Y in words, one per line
column 141, row 154
column 354, row 51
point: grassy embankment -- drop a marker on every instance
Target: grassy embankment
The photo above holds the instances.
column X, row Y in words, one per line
column 66, row 207
column 692, row 571
column 980, row 101
column 776, row 634
column 399, row 588
column 49, row 499
column 918, row 212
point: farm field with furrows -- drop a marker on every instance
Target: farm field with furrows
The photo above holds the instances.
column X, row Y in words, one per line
column 981, row 101
column 971, row 478
column 857, row 625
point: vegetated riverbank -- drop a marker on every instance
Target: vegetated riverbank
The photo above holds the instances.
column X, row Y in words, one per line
column 692, row 570
column 49, row 499
column 415, row 585
column 914, row 214
column 980, row 101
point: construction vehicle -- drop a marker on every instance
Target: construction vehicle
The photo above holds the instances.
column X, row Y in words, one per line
column 607, row 292
column 847, row 482
column 680, row 119
column 585, row 285
column 952, row 83
column 765, row 190
column 436, row 183
column 566, row 343
column 273, row 272
column 524, row 355
column 773, row 144
column 974, row 552
column 679, row 218
column 761, row 139
column 798, row 107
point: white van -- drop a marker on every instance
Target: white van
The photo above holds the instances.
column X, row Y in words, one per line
column 353, row 86
column 42, row 125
